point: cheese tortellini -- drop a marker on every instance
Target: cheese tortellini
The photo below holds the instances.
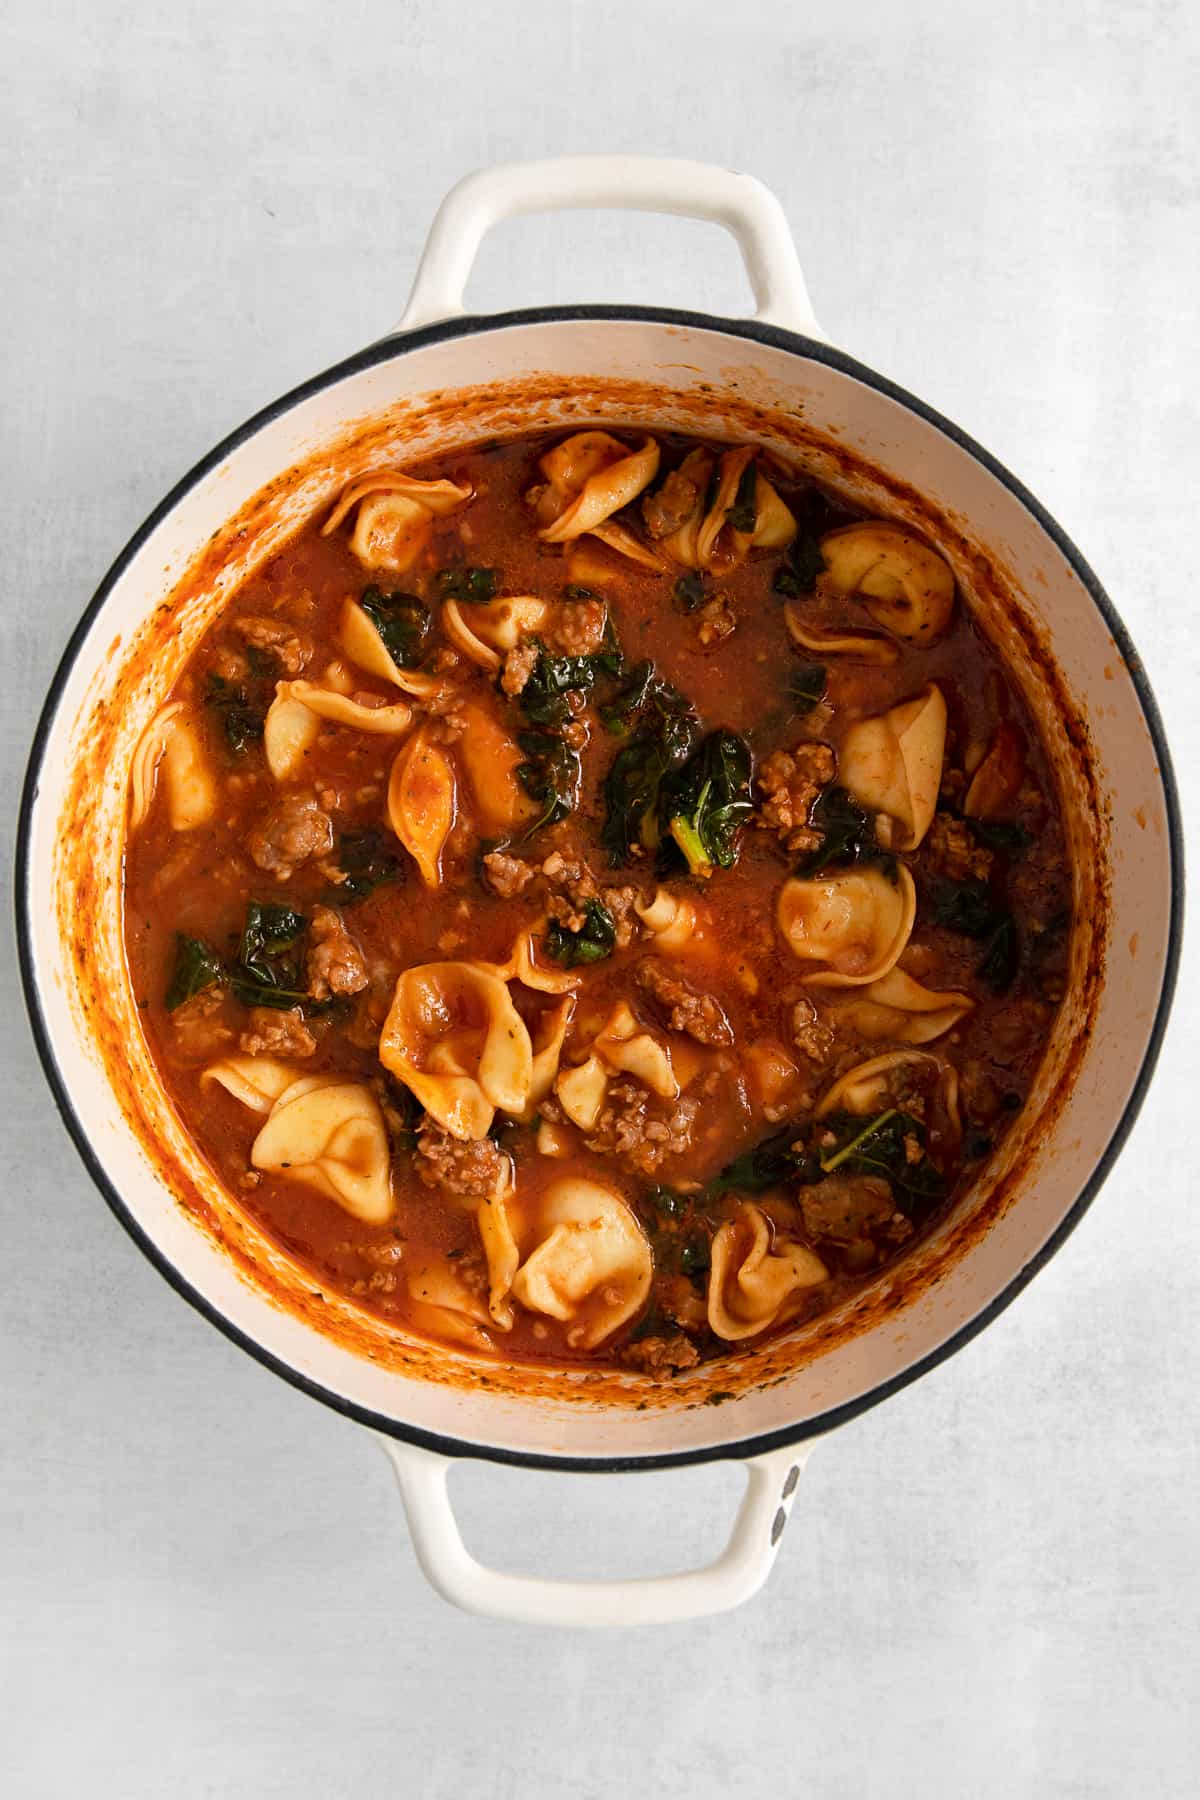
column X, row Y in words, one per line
column 900, row 579
column 893, row 765
column 591, row 1263
column 589, row 477
column 753, row 1282
column 900, row 1009
column 482, row 630
column 866, row 1087
column 172, row 743
column 745, row 513
column 328, row 1133
column 421, row 802
column 622, row 1046
column 457, row 1042
column 855, row 920
column 293, row 722
column 394, row 521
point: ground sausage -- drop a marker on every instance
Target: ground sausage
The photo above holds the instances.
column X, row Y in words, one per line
column 335, row 962
column 661, row 1356
column 579, row 628
column 845, row 1207
column 701, row 1016
column 810, row 1036
column 789, row 782
column 518, row 667
column 639, row 1132
column 950, row 850
column 507, row 875
column 295, row 830
column 276, row 1033
column 471, row 1168
column 290, row 646
column 670, row 505
column 199, row 1029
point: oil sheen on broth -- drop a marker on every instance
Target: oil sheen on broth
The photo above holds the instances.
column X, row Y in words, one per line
column 596, row 898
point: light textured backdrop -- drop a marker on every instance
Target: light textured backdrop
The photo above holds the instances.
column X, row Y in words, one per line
column 990, row 1585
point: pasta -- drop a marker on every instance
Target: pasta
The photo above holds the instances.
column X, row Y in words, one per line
column 598, row 900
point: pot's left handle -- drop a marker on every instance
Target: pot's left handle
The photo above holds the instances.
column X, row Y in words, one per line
column 664, row 184
column 736, row 1574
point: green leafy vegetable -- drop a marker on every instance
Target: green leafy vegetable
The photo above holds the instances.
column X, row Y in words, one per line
column 665, row 734
column 240, row 714
column 998, row 834
column 779, row 1158
column 368, row 860
column 402, row 621
column 473, row 585
column 545, row 698
column 630, row 699
column 743, row 514
column 968, row 907
column 197, row 966
column 799, row 573
column 268, row 970
column 847, row 834
column 594, row 940
column 704, row 803
column 552, row 776
column 879, row 1148
column 689, row 591
column 807, row 687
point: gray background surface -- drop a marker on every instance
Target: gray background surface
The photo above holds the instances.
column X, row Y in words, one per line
column 990, row 1585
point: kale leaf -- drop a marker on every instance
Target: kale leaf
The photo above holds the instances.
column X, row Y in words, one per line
column 552, row 775
column 367, row 860
column 197, row 966
column 402, row 621
column 968, row 907
column 797, row 575
column 472, row 585
column 778, row 1158
column 241, row 714
column 847, row 834
column 268, row 970
column 807, row 687
column 664, row 736
column 743, row 514
column 880, row 1148
column 595, row 939
column 703, row 805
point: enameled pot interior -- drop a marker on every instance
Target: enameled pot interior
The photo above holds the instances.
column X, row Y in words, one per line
column 446, row 386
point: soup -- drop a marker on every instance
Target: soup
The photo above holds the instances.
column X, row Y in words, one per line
column 596, row 898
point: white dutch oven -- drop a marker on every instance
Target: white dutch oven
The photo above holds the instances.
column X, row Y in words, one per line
column 443, row 378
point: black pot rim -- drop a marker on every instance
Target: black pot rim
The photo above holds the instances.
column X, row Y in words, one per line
column 755, row 332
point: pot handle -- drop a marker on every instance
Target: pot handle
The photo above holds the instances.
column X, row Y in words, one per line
column 692, row 190
column 737, row 1573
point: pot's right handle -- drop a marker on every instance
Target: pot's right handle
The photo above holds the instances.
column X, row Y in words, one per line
column 737, row 1573
column 691, row 190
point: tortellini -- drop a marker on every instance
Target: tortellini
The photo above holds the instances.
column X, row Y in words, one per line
column 707, row 539
column 591, row 1266
column 855, row 920
column 329, row 1133
column 446, row 1307
column 257, row 1081
column 482, row 631
column 900, row 579
column 172, row 742
column 997, row 780
column 523, row 966
column 669, row 918
column 421, row 803
column 622, row 1046
column 893, row 764
column 293, row 722
column 395, row 517
column 490, row 759
column 859, row 644
column 362, row 643
column 753, row 1282
column 456, row 1041
column 899, row 1008
column 590, row 476
column 867, row 1086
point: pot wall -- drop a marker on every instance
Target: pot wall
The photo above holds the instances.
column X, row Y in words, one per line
column 459, row 382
